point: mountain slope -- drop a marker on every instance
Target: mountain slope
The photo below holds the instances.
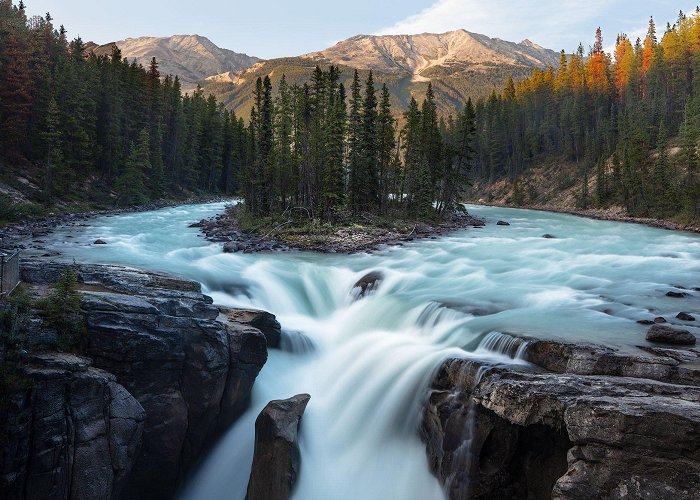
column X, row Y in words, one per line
column 191, row 57
column 460, row 65
column 415, row 54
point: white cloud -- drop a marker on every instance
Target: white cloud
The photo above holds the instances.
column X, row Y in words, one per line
column 556, row 24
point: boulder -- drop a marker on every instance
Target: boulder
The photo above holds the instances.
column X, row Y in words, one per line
column 548, row 236
column 502, row 223
column 669, row 335
column 264, row 321
column 368, row 283
column 231, row 247
column 676, row 295
column 276, row 459
column 99, row 242
column 684, row 316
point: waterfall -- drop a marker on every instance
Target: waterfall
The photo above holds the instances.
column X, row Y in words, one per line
column 368, row 361
column 502, row 343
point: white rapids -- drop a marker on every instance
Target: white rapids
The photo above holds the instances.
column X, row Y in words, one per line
column 368, row 363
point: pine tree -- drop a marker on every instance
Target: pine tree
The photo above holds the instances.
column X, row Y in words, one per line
column 386, row 143
column 355, row 143
column 369, row 180
column 334, row 165
column 284, row 123
column 661, row 185
column 130, row 185
column 413, row 156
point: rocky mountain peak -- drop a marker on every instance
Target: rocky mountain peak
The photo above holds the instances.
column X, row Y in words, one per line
column 415, row 54
column 191, row 57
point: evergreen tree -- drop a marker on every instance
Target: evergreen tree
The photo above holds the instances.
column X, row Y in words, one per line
column 386, row 143
column 355, row 145
column 130, row 185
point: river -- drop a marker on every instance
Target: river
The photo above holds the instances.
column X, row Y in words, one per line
column 367, row 363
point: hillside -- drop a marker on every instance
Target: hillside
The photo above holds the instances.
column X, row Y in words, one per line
column 459, row 64
column 191, row 57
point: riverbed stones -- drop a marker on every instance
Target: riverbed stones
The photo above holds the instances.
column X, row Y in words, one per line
column 684, row 316
column 670, row 335
column 276, row 459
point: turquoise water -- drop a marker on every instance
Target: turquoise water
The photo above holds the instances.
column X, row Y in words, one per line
column 372, row 359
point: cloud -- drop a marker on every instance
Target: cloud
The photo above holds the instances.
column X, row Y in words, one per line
column 556, row 24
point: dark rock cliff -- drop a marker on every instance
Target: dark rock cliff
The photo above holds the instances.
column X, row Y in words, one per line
column 596, row 423
column 154, row 342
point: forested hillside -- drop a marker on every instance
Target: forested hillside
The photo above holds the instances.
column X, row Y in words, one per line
column 629, row 124
column 459, row 65
column 87, row 127
column 84, row 128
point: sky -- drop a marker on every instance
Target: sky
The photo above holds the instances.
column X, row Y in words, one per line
column 277, row 28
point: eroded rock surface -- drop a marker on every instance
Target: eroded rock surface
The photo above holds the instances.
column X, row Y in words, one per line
column 262, row 320
column 189, row 369
column 71, row 431
column 276, row 460
column 588, row 422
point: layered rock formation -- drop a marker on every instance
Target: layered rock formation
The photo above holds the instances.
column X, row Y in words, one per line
column 596, row 423
column 161, row 358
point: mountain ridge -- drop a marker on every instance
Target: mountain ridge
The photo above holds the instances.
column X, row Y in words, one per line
column 460, row 64
column 191, row 57
column 418, row 52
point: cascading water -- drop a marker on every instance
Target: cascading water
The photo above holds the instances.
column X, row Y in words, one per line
column 368, row 362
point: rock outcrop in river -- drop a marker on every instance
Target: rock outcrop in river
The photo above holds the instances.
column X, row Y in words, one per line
column 583, row 422
column 164, row 374
column 276, row 460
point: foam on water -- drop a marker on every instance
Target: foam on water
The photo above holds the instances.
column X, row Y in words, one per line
column 368, row 361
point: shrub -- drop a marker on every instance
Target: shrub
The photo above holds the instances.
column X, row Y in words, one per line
column 14, row 320
column 61, row 310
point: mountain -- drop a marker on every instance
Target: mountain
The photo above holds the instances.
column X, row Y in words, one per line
column 417, row 54
column 190, row 57
column 460, row 64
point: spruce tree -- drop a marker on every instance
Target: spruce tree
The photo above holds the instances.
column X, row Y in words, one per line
column 386, row 143
column 130, row 186
column 355, row 144
column 369, row 180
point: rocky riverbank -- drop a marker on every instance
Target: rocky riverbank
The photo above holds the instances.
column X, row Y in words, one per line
column 344, row 238
column 614, row 214
column 162, row 375
column 582, row 421
column 21, row 234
